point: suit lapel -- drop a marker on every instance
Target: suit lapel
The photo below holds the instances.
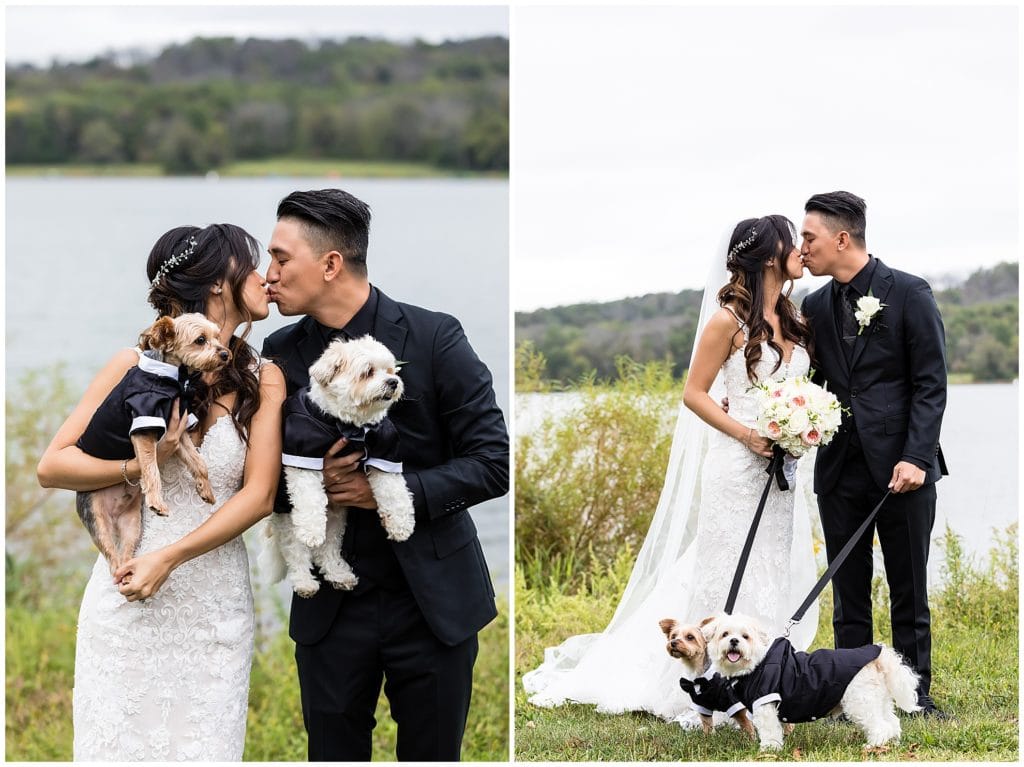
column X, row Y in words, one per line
column 390, row 327
column 881, row 284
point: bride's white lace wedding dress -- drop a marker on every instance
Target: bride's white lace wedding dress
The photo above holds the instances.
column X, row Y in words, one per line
column 687, row 575
column 168, row 678
column 732, row 481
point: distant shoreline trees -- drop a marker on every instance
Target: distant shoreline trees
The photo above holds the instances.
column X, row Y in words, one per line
column 196, row 106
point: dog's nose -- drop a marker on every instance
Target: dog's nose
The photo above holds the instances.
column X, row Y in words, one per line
column 391, row 383
column 734, row 642
column 225, row 355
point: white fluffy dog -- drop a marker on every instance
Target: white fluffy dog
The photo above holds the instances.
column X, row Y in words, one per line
column 782, row 685
column 352, row 386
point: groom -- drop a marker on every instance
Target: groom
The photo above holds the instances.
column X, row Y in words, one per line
column 880, row 345
column 414, row 616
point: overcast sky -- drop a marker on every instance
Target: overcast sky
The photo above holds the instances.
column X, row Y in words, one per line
column 640, row 134
column 37, row 34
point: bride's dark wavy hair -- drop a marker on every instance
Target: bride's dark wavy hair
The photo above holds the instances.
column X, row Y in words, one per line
column 222, row 253
column 754, row 241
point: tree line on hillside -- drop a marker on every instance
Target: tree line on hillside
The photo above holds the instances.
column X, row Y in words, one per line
column 201, row 104
column 980, row 316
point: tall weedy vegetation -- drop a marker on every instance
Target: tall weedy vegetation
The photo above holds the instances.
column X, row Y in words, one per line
column 574, row 505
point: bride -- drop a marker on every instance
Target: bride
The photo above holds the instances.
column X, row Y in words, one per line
column 164, row 647
column 749, row 332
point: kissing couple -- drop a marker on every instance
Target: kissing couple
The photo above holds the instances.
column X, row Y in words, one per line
column 164, row 648
column 873, row 335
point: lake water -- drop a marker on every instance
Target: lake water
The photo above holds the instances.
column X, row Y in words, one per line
column 979, row 441
column 76, row 252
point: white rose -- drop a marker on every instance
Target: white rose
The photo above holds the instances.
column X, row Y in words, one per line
column 798, row 422
column 869, row 305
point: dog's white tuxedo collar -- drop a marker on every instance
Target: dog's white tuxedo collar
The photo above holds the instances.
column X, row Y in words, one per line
column 157, row 367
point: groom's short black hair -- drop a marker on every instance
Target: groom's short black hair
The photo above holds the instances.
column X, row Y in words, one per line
column 332, row 220
column 842, row 211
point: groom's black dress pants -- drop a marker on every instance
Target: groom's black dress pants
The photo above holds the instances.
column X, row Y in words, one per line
column 380, row 634
column 904, row 526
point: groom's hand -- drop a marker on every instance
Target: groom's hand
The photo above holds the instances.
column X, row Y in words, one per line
column 344, row 480
column 906, row 477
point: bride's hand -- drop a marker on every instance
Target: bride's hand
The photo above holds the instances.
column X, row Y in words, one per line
column 141, row 577
column 758, row 444
column 168, row 443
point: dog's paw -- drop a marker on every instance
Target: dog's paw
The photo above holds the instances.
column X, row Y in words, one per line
column 399, row 534
column 158, row 507
column 310, row 538
column 306, row 588
column 205, row 491
column 770, row 744
column 398, row 527
column 345, row 582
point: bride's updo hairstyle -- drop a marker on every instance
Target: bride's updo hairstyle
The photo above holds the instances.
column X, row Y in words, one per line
column 754, row 242
column 183, row 266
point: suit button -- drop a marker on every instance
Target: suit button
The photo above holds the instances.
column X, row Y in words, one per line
column 853, row 392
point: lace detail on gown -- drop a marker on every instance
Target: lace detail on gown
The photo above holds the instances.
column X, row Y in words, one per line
column 168, row 678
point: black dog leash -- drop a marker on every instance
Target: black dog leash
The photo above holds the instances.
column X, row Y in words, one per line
column 774, row 472
column 834, row 566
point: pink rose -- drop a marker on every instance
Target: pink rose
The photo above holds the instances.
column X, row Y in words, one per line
column 777, row 393
column 799, row 400
column 773, row 429
column 811, row 437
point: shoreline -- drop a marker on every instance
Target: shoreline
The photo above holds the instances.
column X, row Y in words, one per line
column 272, row 168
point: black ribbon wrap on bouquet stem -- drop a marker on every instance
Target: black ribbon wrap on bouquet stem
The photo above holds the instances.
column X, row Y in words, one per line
column 774, row 470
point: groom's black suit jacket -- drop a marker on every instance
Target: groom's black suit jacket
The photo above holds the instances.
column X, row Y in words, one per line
column 455, row 452
column 894, row 383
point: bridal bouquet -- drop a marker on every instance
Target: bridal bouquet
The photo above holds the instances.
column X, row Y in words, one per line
column 797, row 414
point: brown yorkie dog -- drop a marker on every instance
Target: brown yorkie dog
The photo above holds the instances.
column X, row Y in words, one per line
column 134, row 417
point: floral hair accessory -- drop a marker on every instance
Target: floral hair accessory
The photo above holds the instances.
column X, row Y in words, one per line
column 742, row 244
column 175, row 261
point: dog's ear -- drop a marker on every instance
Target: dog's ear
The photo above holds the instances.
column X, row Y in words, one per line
column 667, row 625
column 707, row 627
column 328, row 367
column 763, row 636
column 159, row 335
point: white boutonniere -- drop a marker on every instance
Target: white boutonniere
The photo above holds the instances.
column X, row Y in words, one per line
column 867, row 307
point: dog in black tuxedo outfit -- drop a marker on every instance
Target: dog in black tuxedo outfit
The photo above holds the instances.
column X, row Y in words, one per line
column 352, row 386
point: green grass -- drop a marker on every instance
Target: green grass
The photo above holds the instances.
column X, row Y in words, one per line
column 40, row 671
column 277, row 166
column 974, row 656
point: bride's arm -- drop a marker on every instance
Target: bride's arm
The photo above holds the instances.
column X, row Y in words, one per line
column 64, row 465
column 245, row 508
column 713, row 348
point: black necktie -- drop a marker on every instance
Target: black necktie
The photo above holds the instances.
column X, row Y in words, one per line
column 847, row 318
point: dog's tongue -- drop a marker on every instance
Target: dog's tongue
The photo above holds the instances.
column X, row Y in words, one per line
column 733, row 656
